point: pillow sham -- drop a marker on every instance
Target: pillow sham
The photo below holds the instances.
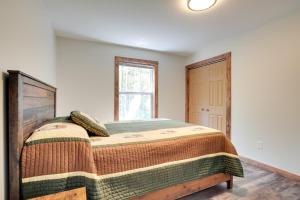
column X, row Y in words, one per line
column 89, row 123
column 59, row 131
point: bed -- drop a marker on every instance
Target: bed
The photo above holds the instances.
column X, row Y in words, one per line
column 155, row 159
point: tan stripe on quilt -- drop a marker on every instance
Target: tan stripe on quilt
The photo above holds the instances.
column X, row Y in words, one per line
column 152, row 135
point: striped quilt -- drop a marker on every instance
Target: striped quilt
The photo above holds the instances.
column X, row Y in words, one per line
column 137, row 158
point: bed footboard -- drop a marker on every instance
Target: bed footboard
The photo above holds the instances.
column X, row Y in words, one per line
column 184, row 189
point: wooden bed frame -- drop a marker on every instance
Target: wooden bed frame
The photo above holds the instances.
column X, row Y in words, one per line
column 31, row 102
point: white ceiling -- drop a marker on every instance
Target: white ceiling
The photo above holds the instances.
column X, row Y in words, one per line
column 163, row 25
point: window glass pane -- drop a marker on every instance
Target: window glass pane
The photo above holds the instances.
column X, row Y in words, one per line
column 135, row 79
column 135, row 106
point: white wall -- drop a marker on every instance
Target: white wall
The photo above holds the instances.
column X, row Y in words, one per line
column 265, row 91
column 85, row 78
column 27, row 44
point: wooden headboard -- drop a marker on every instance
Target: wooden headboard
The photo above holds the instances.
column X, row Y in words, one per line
column 31, row 102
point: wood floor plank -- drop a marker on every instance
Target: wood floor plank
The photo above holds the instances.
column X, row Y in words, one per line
column 258, row 184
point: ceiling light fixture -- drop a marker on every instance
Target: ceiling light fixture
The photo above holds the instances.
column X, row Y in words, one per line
column 199, row 5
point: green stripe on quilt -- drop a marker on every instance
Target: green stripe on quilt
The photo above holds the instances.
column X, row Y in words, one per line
column 59, row 139
column 138, row 183
column 138, row 126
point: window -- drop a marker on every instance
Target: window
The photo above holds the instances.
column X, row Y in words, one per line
column 135, row 89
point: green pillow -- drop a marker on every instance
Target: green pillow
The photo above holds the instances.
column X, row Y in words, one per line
column 89, row 123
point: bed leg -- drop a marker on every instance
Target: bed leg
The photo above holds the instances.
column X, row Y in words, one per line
column 230, row 183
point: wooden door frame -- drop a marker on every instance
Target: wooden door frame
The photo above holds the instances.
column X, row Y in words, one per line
column 224, row 57
column 125, row 60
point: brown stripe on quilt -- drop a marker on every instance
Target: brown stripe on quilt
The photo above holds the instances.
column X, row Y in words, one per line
column 114, row 159
column 57, row 157
column 61, row 157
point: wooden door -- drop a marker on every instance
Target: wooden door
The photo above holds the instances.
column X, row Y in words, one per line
column 208, row 92
column 199, row 96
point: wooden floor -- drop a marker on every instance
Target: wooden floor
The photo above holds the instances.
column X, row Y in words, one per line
column 258, row 184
